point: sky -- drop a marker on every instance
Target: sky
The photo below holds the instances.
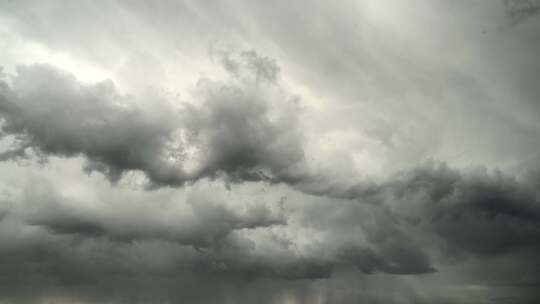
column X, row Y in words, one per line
column 280, row 152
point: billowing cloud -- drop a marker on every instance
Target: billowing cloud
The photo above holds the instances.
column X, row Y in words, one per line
column 423, row 221
column 244, row 128
column 480, row 212
column 246, row 152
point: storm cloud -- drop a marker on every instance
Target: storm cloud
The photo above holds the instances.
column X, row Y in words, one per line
column 241, row 129
column 246, row 152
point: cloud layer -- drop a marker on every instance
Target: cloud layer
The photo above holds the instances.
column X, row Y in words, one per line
column 306, row 152
column 242, row 128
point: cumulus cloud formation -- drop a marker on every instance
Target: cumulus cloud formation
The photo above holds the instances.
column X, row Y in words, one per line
column 432, row 214
column 306, row 152
column 242, row 128
column 477, row 211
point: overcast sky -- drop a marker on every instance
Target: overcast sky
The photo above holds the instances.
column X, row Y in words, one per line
column 279, row 152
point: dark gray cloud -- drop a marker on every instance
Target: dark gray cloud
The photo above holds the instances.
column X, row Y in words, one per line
column 208, row 226
column 412, row 223
column 390, row 157
column 481, row 212
column 215, row 233
column 242, row 129
column 63, row 250
column 476, row 210
column 427, row 219
column 51, row 112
